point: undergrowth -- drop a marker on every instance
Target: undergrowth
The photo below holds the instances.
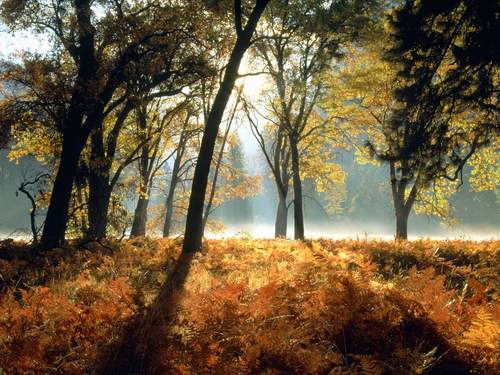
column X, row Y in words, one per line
column 259, row 306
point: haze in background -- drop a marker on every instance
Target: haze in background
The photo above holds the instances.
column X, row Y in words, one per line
column 366, row 213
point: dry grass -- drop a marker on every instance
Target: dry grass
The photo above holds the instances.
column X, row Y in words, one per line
column 259, row 306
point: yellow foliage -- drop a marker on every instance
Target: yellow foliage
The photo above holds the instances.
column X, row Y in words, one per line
column 485, row 174
column 484, row 331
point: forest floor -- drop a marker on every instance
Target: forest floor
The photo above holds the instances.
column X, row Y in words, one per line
column 257, row 306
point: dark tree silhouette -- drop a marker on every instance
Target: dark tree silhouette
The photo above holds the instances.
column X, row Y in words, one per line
column 449, row 62
column 458, row 35
column 194, row 220
column 31, row 187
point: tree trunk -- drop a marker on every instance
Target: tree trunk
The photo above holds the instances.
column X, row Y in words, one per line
column 140, row 217
column 100, row 185
column 169, row 204
column 402, row 225
column 280, row 226
column 31, row 198
column 208, row 208
column 56, row 220
column 98, row 207
column 403, row 204
column 33, row 225
column 99, row 189
column 141, row 210
column 194, row 221
column 74, row 136
column 401, row 213
column 298, row 211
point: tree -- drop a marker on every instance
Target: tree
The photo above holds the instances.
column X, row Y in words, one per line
column 180, row 168
column 362, row 101
column 32, row 188
column 99, row 53
column 218, row 162
column 153, row 120
column 145, row 84
column 449, row 69
column 298, row 42
column 319, row 168
column 449, row 66
column 277, row 155
column 194, row 220
column 101, row 178
column 5, row 124
column 362, row 97
column 229, row 180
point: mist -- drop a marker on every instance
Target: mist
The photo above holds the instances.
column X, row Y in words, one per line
column 366, row 212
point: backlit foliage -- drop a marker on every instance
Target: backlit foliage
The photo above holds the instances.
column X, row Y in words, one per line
column 273, row 307
column 362, row 100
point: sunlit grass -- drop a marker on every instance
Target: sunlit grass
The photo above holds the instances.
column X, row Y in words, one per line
column 261, row 306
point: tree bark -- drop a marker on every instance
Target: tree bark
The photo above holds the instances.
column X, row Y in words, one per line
column 208, row 208
column 56, row 220
column 140, row 217
column 99, row 190
column 194, row 221
column 73, row 131
column 100, row 185
column 140, row 213
column 280, row 225
column 98, row 208
column 298, row 211
column 169, row 205
column 402, row 225
column 402, row 204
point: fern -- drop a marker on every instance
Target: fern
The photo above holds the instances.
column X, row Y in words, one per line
column 368, row 365
column 484, row 331
column 257, row 306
